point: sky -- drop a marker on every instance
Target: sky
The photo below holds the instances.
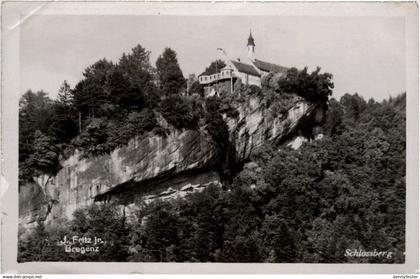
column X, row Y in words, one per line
column 365, row 54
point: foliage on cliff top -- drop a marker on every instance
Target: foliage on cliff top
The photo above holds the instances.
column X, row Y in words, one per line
column 115, row 102
column 111, row 104
column 314, row 87
column 284, row 90
column 171, row 79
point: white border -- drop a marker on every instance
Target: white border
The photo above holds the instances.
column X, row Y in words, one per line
column 15, row 14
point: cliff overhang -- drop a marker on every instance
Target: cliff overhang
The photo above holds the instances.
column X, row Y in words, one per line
column 164, row 166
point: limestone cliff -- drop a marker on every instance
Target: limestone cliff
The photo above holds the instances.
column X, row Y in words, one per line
column 156, row 166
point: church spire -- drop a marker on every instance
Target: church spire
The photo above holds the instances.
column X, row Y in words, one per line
column 251, row 47
column 250, row 39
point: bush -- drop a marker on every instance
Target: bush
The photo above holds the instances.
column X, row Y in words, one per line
column 313, row 87
column 279, row 102
column 93, row 140
column 136, row 123
column 226, row 107
column 103, row 135
column 196, row 88
column 180, row 112
column 45, row 155
column 215, row 124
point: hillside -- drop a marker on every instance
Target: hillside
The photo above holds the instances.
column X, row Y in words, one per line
column 168, row 165
column 166, row 174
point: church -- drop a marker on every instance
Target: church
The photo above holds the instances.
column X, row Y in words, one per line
column 249, row 73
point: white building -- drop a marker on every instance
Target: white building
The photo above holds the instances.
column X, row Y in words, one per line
column 249, row 73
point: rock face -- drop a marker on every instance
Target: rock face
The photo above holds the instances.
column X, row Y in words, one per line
column 256, row 125
column 156, row 166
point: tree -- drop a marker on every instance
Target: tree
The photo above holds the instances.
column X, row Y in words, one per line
column 93, row 140
column 241, row 223
column 353, row 106
column 64, row 124
column 33, row 247
column 135, row 124
column 64, row 94
column 334, row 118
column 108, row 222
column 170, row 76
column 156, row 239
column 217, row 127
column 279, row 243
column 313, row 87
column 132, row 99
column 45, row 154
column 204, row 211
column 214, row 67
column 34, row 114
column 136, row 69
column 180, row 112
column 197, row 88
column 94, row 90
column 121, row 91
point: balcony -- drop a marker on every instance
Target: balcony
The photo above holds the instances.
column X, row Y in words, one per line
column 223, row 75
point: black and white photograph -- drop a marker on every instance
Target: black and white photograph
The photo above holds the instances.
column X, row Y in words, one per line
column 229, row 138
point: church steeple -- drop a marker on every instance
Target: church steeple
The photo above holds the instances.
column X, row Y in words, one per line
column 251, row 46
column 250, row 39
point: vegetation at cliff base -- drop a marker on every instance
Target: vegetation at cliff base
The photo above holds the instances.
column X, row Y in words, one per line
column 52, row 242
column 344, row 191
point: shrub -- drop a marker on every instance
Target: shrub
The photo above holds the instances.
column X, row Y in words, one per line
column 313, row 87
column 138, row 123
column 196, row 88
column 93, row 140
column 180, row 112
column 215, row 124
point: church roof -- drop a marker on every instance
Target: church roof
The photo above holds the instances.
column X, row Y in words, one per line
column 245, row 68
column 269, row 67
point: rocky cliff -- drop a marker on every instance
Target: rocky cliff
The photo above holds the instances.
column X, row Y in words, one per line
column 155, row 166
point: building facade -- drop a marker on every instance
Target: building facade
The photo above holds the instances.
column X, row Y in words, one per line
column 249, row 73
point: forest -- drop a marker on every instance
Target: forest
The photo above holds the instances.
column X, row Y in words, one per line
column 344, row 191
